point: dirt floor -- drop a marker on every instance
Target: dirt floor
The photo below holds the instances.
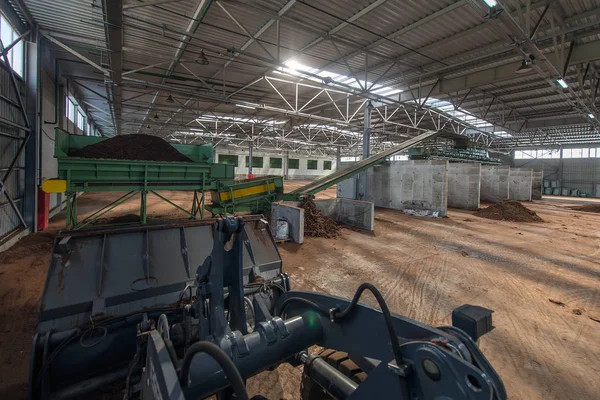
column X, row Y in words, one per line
column 542, row 280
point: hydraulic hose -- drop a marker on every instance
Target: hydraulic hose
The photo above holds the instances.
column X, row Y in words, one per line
column 339, row 315
column 386, row 315
column 231, row 371
column 304, row 301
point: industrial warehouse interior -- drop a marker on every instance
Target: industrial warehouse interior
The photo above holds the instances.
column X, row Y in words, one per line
column 300, row 199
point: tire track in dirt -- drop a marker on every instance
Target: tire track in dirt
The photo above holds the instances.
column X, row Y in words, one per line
column 530, row 342
column 519, row 287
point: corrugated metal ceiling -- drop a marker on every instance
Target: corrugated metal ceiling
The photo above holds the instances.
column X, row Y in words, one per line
column 444, row 39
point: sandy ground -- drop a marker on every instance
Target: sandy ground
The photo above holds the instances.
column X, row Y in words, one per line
column 425, row 267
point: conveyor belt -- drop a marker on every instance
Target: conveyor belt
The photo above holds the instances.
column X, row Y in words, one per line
column 338, row 176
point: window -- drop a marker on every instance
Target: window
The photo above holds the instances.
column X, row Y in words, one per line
column 581, row 153
column 257, row 162
column 228, row 159
column 293, row 163
column 312, row 164
column 327, row 165
column 15, row 54
column 70, row 109
column 80, row 121
column 275, row 162
column 531, row 154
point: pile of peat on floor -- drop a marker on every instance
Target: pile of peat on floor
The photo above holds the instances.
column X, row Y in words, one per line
column 509, row 210
column 317, row 224
column 132, row 147
column 594, row 208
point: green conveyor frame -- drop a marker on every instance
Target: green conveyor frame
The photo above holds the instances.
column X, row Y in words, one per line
column 260, row 203
column 135, row 177
column 143, row 177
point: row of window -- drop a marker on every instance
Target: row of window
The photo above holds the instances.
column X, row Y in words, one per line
column 400, row 157
column 74, row 114
column 16, row 54
column 566, row 153
column 274, row 162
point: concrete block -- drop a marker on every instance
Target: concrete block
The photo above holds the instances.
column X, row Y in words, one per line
column 356, row 213
column 538, row 179
column 464, row 185
column 400, row 185
column 495, row 182
column 521, row 184
column 295, row 217
column 347, row 188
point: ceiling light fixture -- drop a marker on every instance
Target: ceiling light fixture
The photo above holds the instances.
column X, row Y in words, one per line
column 491, row 3
column 562, row 83
column 245, row 106
column 170, row 99
column 201, row 59
column 524, row 67
column 591, row 116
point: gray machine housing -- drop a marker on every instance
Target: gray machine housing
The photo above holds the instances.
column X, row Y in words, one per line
column 220, row 282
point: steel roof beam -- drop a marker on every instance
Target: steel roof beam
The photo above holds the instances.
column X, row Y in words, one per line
column 113, row 18
column 258, row 34
column 393, row 35
column 582, row 53
column 549, row 72
column 147, row 3
column 452, row 38
column 502, row 50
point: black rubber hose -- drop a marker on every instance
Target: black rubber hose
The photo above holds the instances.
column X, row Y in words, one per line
column 231, row 371
column 304, row 301
column 343, row 314
column 386, row 315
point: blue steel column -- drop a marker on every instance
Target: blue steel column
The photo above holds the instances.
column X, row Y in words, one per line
column 363, row 185
column 250, row 159
column 32, row 148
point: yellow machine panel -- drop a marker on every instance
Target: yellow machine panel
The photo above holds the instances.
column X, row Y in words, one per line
column 248, row 191
column 54, row 186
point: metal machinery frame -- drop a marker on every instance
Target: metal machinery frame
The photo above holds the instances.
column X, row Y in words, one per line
column 77, row 175
column 224, row 312
column 142, row 177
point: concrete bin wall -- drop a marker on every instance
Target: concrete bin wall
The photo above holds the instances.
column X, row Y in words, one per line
column 521, row 184
column 418, row 185
column 355, row 213
column 538, row 184
column 495, row 183
column 464, row 185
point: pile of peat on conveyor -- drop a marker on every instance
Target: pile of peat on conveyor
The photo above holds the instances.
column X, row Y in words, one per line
column 316, row 224
column 132, row 147
column 509, row 210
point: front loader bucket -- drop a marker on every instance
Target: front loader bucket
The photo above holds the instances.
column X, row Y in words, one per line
column 105, row 281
